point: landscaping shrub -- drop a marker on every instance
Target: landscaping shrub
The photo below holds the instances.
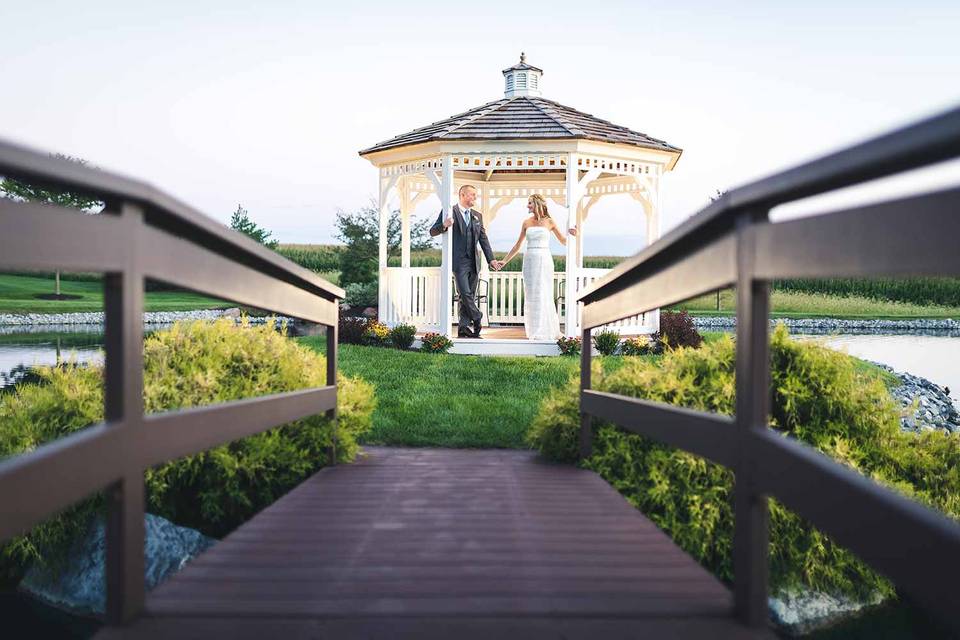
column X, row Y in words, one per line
column 635, row 346
column 402, row 335
column 376, row 333
column 361, row 294
column 191, row 365
column 569, row 346
column 677, row 330
column 819, row 396
column 435, row 343
column 606, row 342
column 351, row 329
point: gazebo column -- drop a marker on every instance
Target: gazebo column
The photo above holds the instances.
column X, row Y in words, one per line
column 582, row 213
column 484, row 265
column 653, row 234
column 405, row 225
column 572, row 321
column 383, row 284
column 648, row 195
column 446, row 247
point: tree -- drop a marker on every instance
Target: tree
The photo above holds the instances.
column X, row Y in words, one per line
column 240, row 221
column 360, row 231
column 27, row 192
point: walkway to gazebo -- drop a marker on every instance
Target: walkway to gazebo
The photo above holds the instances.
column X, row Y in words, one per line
column 444, row 543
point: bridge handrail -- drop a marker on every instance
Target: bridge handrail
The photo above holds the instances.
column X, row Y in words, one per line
column 142, row 233
column 732, row 242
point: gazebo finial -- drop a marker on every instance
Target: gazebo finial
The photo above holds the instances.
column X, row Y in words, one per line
column 522, row 79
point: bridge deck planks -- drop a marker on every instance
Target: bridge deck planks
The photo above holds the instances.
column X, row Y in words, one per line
column 426, row 543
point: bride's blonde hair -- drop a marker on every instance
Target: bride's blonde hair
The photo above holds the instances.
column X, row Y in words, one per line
column 539, row 207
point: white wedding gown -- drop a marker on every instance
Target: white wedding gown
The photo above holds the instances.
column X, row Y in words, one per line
column 540, row 313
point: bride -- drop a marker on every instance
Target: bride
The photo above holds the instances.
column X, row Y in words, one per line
column 540, row 313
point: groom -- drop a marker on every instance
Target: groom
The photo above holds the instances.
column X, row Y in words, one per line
column 467, row 232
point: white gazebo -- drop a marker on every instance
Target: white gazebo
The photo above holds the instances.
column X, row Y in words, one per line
column 509, row 149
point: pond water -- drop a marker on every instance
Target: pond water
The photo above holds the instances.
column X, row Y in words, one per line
column 936, row 358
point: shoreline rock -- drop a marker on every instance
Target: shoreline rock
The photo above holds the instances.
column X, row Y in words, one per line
column 80, row 587
column 94, row 320
column 801, row 611
column 933, row 326
column 934, row 407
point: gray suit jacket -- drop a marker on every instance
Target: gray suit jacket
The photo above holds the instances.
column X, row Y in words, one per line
column 460, row 248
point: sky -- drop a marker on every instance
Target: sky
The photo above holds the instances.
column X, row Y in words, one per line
column 266, row 104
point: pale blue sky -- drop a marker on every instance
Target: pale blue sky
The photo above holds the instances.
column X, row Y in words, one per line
column 268, row 103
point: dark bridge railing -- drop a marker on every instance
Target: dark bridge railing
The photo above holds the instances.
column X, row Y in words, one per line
column 732, row 242
column 143, row 233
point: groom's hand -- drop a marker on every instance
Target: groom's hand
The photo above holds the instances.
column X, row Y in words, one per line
column 447, row 223
column 572, row 231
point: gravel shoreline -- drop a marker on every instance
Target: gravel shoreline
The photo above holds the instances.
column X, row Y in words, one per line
column 935, row 326
column 96, row 317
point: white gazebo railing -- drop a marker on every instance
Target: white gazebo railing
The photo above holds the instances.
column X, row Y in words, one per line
column 413, row 297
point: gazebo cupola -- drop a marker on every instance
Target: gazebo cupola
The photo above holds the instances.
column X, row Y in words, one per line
column 522, row 79
column 509, row 149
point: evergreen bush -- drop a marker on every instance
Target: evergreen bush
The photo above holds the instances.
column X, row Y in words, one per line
column 190, row 365
column 402, row 335
column 606, row 341
column 819, row 396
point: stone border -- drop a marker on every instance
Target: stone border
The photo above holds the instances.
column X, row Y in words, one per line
column 947, row 326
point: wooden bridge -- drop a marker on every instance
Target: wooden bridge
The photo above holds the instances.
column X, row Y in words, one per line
column 476, row 544
column 434, row 543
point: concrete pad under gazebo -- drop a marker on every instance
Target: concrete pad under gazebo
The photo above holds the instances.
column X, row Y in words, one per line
column 509, row 149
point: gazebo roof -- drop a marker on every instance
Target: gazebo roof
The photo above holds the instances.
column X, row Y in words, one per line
column 522, row 118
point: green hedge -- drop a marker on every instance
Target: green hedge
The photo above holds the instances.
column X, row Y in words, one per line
column 189, row 365
column 819, row 396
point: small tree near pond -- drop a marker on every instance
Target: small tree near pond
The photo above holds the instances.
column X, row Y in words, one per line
column 27, row 192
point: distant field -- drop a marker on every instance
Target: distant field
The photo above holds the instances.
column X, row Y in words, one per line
column 18, row 295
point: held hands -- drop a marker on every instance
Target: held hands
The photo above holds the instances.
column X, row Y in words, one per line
column 497, row 264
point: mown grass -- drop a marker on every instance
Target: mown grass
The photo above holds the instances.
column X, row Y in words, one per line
column 796, row 304
column 447, row 400
column 18, row 295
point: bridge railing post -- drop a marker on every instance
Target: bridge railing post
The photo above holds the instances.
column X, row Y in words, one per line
column 586, row 426
column 332, row 381
column 123, row 294
column 751, row 517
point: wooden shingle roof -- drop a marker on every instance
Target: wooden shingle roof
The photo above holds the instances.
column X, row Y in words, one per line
column 522, row 118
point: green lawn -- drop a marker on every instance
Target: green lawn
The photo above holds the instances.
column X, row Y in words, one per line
column 445, row 400
column 792, row 304
column 18, row 295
